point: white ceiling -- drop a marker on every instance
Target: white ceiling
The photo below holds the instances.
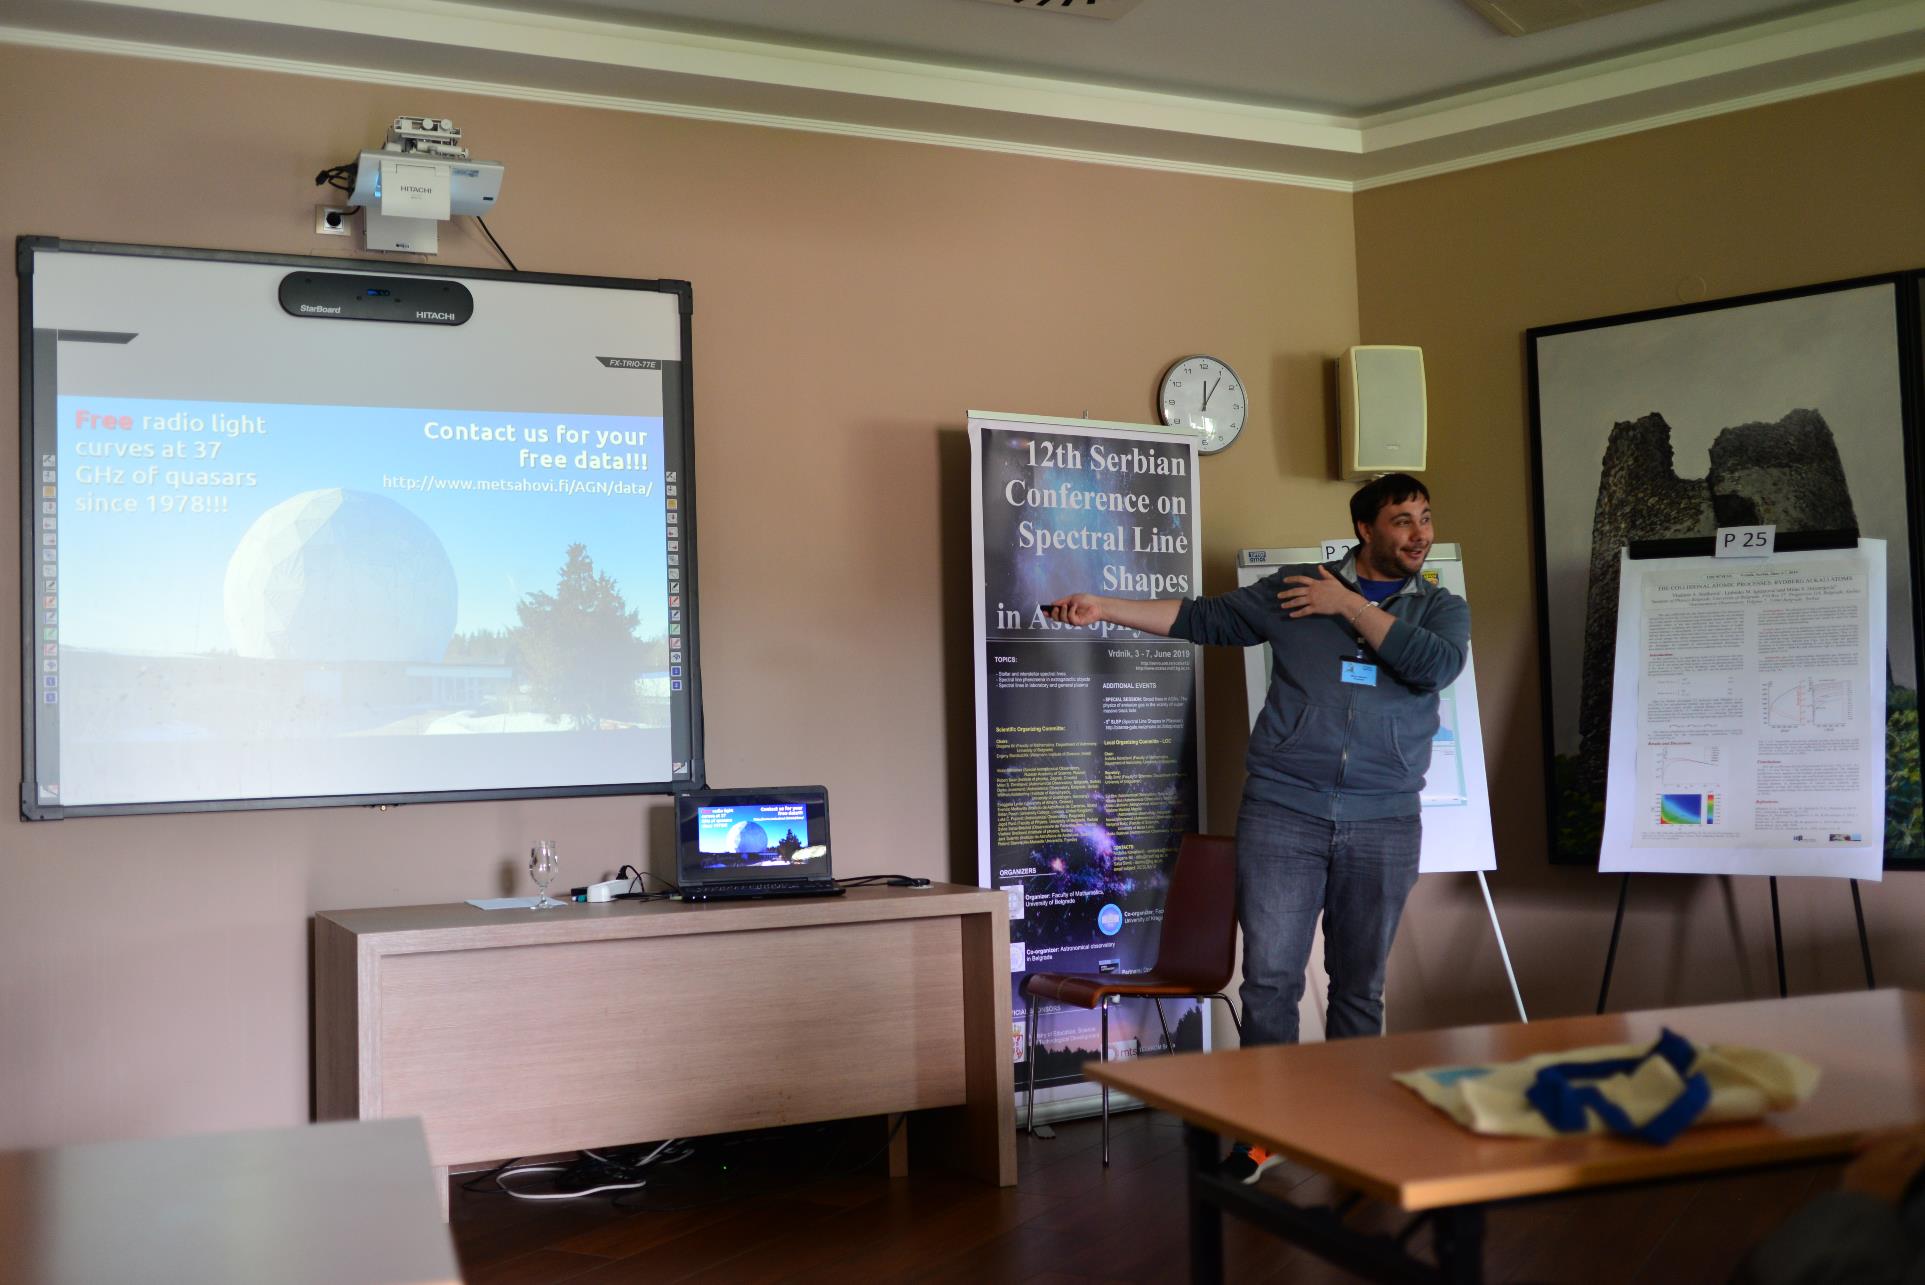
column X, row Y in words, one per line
column 1331, row 93
column 1344, row 57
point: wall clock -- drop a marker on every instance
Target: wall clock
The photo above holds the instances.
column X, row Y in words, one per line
column 1203, row 394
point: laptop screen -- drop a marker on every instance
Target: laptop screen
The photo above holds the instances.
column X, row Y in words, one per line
column 752, row 835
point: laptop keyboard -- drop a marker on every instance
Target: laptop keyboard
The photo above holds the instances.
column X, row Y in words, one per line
column 771, row 888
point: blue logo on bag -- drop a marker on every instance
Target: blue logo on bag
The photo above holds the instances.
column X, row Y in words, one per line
column 1565, row 1096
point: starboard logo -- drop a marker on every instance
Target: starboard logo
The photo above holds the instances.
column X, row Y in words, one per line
column 321, row 307
column 1259, row 555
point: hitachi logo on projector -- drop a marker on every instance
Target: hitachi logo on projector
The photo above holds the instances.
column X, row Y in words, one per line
column 416, row 188
column 331, row 310
column 423, row 314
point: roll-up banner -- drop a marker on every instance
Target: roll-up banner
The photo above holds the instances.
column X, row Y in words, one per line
column 1088, row 750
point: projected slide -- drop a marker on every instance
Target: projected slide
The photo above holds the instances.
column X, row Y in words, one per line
column 347, row 572
column 249, row 597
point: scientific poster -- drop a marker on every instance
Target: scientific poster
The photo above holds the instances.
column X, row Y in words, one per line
column 1088, row 754
column 1748, row 716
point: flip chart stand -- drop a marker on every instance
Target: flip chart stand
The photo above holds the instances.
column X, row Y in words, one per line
column 1503, row 952
column 1699, row 546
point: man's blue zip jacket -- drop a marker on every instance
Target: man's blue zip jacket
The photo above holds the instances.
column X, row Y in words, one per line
column 1342, row 751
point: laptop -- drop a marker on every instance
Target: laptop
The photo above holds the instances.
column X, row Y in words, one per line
column 765, row 842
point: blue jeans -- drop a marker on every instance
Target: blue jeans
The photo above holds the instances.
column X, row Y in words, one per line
column 1291, row 867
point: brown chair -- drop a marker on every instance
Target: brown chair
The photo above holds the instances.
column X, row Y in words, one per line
column 1194, row 957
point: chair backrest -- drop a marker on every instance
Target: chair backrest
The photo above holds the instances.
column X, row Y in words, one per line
column 1199, row 941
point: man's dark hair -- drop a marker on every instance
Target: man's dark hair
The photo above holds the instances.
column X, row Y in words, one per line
column 1391, row 488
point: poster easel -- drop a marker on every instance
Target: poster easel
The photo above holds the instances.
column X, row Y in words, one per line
column 1777, row 935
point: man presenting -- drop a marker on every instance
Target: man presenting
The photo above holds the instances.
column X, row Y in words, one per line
column 1329, row 822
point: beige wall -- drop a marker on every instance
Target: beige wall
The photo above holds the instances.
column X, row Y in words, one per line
column 1808, row 191
column 853, row 300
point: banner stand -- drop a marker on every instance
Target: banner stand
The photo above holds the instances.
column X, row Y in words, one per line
column 1089, row 758
column 1704, row 546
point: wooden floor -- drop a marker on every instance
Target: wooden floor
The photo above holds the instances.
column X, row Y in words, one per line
column 816, row 1206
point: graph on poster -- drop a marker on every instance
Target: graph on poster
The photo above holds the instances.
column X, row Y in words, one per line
column 1807, row 702
column 1689, row 766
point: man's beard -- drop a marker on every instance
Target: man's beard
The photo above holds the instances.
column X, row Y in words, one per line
column 1383, row 560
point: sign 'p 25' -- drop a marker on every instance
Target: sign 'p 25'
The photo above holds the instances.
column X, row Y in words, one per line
column 1745, row 541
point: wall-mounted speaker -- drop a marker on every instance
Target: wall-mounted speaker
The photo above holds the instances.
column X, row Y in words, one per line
column 1380, row 388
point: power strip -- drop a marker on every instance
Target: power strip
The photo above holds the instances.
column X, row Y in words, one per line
column 606, row 890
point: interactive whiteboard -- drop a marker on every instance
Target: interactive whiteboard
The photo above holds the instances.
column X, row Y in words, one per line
column 319, row 531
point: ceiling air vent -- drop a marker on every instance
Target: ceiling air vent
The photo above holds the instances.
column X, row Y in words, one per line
column 1522, row 17
column 1082, row 8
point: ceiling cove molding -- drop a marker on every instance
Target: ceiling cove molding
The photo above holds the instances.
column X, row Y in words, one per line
column 62, row 41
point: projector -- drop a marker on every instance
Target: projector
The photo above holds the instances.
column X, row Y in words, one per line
column 472, row 186
column 421, row 176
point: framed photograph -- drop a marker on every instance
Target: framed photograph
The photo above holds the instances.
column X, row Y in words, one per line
column 1797, row 408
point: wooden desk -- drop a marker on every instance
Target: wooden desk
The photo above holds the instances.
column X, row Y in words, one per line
column 323, row 1204
column 517, row 1033
column 1334, row 1108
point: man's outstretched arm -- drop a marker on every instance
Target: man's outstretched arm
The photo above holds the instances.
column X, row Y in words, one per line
column 1152, row 616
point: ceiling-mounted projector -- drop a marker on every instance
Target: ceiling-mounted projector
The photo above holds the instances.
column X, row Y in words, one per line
column 421, row 175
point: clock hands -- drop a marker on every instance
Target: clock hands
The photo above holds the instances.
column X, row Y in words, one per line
column 1207, row 390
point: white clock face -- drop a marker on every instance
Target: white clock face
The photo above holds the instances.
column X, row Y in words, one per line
column 1204, row 394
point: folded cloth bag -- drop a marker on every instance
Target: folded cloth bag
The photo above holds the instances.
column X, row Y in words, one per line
column 1649, row 1092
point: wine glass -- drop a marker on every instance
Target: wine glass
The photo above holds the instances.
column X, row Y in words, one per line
column 542, row 864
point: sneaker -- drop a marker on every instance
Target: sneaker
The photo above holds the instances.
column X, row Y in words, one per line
column 1247, row 1164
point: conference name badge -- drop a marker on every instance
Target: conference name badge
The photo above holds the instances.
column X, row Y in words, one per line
column 1360, row 672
